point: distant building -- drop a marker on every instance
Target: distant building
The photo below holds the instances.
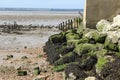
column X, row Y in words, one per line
column 95, row 10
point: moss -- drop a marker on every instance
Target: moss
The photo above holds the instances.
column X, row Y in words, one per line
column 80, row 28
column 84, row 48
column 111, row 46
column 100, row 28
column 76, row 42
column 101, row 63
column 118, row 54
column 36, row 71
column 72, row 36
column 58, row 38
column 69, row 57
column 95, row 35
column 101, row 53
column 102, row 38
column 22, row 73
column 99, row 46
column 62, row 67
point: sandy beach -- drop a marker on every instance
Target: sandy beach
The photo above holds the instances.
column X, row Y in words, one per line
column 29, row 44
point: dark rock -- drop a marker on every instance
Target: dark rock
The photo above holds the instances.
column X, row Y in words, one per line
column 76, row 70
column 22, row 73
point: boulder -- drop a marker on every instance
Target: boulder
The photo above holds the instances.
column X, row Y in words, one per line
column 76, row 42
column 84, row 48
column 110, row 44
column 72, row 36
column 103, row 26
column 69, row 57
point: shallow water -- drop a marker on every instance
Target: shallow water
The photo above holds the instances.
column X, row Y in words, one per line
column 36, row 17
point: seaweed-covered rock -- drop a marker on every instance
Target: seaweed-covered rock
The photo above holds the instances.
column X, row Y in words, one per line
column 92, row 35
column 110, row 45
column 57, row 38
column 71, row 36
column 65, row 49
column 51, row 52
column 76, row 42
column 69, row 57
column 84, row 48
column 111, row 70
column 76, row 71
column 89, row 63
column 63, row 66
column 103, row 26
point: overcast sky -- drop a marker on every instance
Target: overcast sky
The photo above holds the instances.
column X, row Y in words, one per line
column 67, row 4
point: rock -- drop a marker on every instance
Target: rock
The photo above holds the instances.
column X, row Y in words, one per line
column 71, row 36
column 84, row 48
column 89, row 63
column 103, row 26
column 57, row 38
column 69, row 57
column 90, row 78
column 62, row 67
column 76, row 71
column 116, row 22
column 9, row 56
column 18, row 67
column 93, row 35
column 76, row 42
column 71, row 77
column 110, row 45
column 21, row 73
column 111, row 70
column 24, row 57
column 36, row 71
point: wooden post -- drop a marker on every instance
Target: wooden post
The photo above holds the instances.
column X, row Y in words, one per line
column 59, row 26
column 69, row 24
column 77, row 19
column 66, row 25
column 63, row 26
column 74, row 23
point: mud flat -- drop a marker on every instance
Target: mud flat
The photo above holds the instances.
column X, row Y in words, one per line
column 24, row 52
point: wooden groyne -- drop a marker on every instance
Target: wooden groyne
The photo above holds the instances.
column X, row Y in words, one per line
column 70, row 24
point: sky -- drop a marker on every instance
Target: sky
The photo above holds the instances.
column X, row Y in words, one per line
column 62, row 4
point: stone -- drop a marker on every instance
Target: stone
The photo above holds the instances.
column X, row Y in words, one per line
column 84, row 48
column 36, row 71
column 72, row 36
column 71, row 76
column 21, row 73
column 103, row 26
column 9, row 56
column 90, row 78
column 24, row 57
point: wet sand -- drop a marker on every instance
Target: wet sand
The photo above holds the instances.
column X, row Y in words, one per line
column 29, row 44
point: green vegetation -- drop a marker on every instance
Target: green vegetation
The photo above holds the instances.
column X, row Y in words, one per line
column 101, row 63
column 36, row 71
column 22, row 73
column 62, row 67
column 84, row 48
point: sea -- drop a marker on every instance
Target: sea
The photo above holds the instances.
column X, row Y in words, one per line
column 37, row 16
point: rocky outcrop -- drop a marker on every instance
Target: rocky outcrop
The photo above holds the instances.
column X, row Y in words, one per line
column 87, row 52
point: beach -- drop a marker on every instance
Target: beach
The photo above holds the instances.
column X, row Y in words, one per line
column 29, row 44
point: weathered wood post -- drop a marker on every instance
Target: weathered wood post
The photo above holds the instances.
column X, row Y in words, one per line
column 63, row 26
column 69, row 24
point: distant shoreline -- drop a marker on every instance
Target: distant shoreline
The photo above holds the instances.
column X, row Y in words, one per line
column 38, row 9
